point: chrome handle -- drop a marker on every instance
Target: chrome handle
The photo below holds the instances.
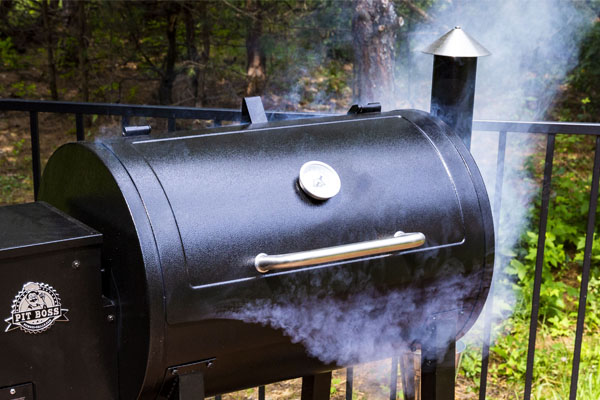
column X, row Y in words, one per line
column 401, row 241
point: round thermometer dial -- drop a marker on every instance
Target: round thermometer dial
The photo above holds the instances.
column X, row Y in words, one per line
column 319, row 180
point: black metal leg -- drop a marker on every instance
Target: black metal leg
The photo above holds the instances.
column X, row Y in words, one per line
column 316, row 387
column 349, row 382
column 410, row 363
column 438, row 372
column 438, row 358
column 191, row 386
column 394, row 378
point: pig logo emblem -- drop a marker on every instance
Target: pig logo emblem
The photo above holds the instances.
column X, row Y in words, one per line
column 35, row 309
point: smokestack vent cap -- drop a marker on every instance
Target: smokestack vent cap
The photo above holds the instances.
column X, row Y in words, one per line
column 456, row 43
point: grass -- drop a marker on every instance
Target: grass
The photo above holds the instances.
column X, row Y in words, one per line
column 552, row 369
column 15, row 188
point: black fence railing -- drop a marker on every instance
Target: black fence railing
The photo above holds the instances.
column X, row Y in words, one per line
column 503, row 128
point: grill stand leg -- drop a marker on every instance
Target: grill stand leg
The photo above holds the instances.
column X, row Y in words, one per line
column 190, row 380
column 191, row 386
column 410, row 371
column 438, row 370
column 316, row 387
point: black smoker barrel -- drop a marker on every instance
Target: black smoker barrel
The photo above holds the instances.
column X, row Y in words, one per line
column 207, row 233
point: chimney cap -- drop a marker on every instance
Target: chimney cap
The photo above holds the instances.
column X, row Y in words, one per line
column 456, row 43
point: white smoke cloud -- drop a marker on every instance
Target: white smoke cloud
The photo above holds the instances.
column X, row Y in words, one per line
column 533, row 46
column 359, row 327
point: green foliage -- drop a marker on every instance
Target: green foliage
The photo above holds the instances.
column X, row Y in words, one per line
column 334, row 383
column 559, row 295
column 9, row 58
column 22, row 89
column 582, row 102
column 12, row 185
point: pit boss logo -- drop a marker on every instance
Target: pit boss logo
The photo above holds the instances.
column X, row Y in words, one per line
column 35, row 309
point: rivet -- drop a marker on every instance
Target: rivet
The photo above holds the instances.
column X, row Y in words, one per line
column 174, row 371
column 13, row 391
column 209, row 364
column 75, row 264
column 110, row 317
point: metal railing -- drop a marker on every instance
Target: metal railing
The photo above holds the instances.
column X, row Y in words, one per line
column 503, row 128
column 550, row 129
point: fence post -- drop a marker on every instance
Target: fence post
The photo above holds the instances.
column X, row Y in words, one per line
column 35, row 151
column 539, row 263
column 79, row 127
column 585, row 274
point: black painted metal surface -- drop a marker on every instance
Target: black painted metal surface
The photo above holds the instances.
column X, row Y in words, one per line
column 75, row 357
column 453, row 93
column 184, row 214
column 218, row 115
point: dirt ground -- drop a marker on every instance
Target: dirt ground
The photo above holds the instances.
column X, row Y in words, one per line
column 371, row 382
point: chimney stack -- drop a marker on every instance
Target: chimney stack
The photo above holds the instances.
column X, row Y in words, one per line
column 453, row 83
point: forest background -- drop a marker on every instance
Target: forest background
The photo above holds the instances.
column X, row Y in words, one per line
column 323, row 55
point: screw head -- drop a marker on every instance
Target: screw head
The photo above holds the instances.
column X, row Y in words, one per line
column 75, row 264
column 13, row 391
column 110, row 317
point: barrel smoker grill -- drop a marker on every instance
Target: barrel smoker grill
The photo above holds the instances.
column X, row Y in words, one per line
column 141, row 249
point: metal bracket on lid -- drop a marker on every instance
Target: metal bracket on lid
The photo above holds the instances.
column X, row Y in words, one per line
column 253, row 110
column 363, row 109
column 136, row 130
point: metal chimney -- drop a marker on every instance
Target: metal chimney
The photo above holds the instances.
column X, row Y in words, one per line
column 453, row 83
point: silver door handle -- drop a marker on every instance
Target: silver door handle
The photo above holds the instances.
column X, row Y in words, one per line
column 401, row 241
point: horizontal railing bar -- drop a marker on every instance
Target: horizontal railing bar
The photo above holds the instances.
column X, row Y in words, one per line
column 133, row 110
column 577, row 128
column 224, row 114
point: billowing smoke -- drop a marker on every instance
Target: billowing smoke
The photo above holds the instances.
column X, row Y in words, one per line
column 368, row 324
column 533, row 46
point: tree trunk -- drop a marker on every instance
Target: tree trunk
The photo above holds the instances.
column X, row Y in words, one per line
column 374, row 27
column 205, row 56
column 83, row 58
column 5, row 7
column 168, row 77
column 255, row 56
column 198, row 61
column 192, row 50
column 49, row 50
